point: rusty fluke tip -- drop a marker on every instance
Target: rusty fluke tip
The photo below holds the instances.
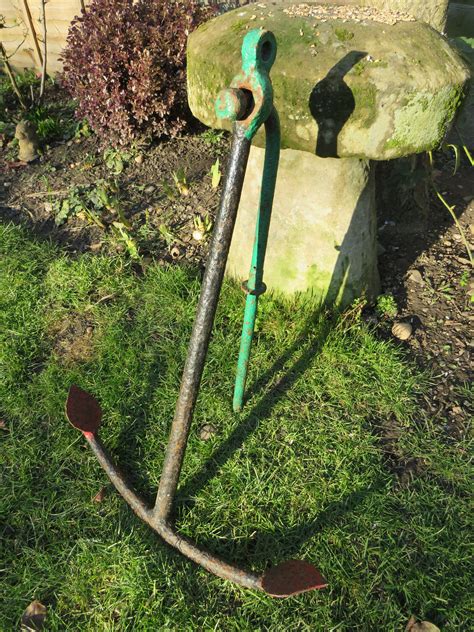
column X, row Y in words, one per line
column 83, row 411
column 251, row 97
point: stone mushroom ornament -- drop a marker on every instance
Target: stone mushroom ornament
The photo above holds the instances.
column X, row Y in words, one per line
column 352, row 85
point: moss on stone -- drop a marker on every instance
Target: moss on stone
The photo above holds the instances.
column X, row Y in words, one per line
column 382, row 89
column 343, row 35
column 239, row 27
column 421, row 124
column 365, row 96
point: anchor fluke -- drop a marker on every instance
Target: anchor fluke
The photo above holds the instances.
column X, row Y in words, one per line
column 83, row 410
column 292, row 578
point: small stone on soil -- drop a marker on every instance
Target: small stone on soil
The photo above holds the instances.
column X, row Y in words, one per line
column 207, row 432
column 415, row 276
column 402, row 331
column 175, row 252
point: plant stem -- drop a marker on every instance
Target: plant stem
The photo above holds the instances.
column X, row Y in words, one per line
column 11, row 76
column 45, row 49
column 458, row 225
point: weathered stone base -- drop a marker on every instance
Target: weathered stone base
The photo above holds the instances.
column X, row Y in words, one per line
column 323, row 229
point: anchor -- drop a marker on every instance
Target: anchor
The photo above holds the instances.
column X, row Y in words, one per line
column 248, row 102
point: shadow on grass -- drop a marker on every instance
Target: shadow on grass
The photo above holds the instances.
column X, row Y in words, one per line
column 263, row 409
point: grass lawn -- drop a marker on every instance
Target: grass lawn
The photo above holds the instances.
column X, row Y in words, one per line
column 316, row 466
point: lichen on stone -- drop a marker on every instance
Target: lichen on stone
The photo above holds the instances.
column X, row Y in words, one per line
column 394, row 76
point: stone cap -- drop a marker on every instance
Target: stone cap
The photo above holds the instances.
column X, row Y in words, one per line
column 348, row 80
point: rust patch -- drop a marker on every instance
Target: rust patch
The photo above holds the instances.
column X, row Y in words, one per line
column 292, row 578
column 83, row 410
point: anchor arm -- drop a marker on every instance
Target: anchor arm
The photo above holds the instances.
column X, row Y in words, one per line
column 292, row 577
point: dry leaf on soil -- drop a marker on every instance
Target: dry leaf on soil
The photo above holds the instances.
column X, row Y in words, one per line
column 33, row 617
column 99, row 497
column 420, row 626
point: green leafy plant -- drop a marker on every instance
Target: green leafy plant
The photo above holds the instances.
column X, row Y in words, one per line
column 79, row 202
column 121, row 233
column 99, row 205
column 116, row 159
column 168, row 236
column 386, row 305
column 49, row 126
column 82, row 130
column 91, row 202
column 213, row 137
column 464, row 279
column 125, row 63
column 181, row 182
column 202, row 227
column 216, row 174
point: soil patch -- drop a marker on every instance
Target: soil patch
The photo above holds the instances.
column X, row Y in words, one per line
column 425, row 266
column 161, row 218
column 73, row 339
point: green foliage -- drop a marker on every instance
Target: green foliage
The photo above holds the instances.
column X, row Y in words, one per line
column 116, row 159
column 213, row 137
column 49, row 127
column 180, row 181
column 202, row 226
column 82, row 129
column 168, row 236
column 464, row 279
column 100, row 205
column 89, row 200
column 25, row 81
column 386, row 305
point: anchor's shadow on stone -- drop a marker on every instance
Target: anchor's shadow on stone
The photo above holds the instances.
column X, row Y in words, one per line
column 331, row 104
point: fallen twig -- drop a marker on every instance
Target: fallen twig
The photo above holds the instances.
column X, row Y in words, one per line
column 11, row 76
column 45, row 193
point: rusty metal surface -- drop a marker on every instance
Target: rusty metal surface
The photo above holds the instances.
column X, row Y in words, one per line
column 201, row 333
column 208, row 561
column 292, row 577
column 83, row 410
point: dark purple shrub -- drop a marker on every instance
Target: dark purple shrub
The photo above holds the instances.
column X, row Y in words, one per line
column 125, row 63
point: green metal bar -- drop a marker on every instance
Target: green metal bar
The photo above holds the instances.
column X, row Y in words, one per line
column 254, row 287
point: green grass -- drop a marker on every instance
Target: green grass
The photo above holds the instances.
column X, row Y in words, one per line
column 302, row 472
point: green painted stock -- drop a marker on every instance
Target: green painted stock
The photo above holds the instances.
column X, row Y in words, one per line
column 253, row 84
column 254, row 285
